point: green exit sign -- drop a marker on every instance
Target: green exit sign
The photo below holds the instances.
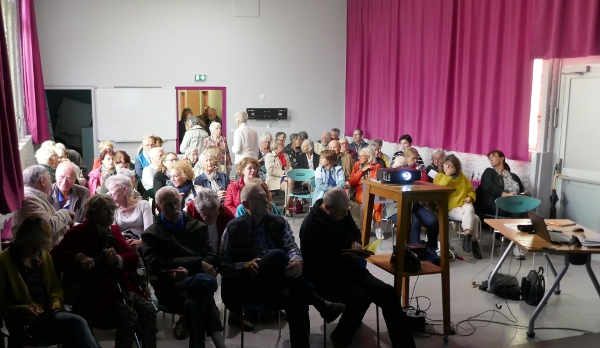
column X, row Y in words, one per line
column 200, row 77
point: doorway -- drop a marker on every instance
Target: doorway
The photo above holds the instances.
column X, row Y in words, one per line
column 200, row 100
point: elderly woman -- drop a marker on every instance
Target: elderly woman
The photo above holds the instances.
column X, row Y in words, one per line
column 264, row 148
column 191, row 155
column 216, row 139
column 206, row 208
column 185, row 114
column 100, row 260
column 140, row 192
column 194, row 135
column 460, row 202
column 366, row 168
column 163, row 171
column 272, row 206
column 437, row 161
column 211, row 177
column 293, row 149
column 328, row 174
column 47, row 157
column 32, row 294
column 246, row 170
column 278, row 164
column 181, row 175
column 63, row 156
column 98, row 175
column 308, row 159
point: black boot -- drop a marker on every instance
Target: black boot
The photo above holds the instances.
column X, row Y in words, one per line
column 466, row 243
column 476, row 250
column 328, row 310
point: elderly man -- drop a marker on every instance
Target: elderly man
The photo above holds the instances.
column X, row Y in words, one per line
column 335, row 133
column 245, row 139
column 65, row 194
column 308, row 159
column 213, row 117
column 148, row 173
column 338, row 276
column 261, row 263
column 358, row 142
column 345, row 160
column 180, row 260
column 37, row 189
column 143, row 159
column 322, row 144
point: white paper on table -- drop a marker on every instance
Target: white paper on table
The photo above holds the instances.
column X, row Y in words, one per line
column 432, row 173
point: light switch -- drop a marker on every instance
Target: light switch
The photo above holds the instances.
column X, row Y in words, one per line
column 262, row 96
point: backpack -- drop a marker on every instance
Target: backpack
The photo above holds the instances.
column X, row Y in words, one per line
column 533, row 287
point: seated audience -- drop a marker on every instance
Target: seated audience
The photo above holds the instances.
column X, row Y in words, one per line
column 321, row 145
column 98, row 175
column 260, row 262
column 344, row 160
column 272, row 206
column 278, row 164
column 181, row 263
column 326, row 231
column 66, row 194
column 155, row 155
column 366, row 168
column 73, row 156
column 206, row 208
column 335, row 133
column 158, row 142
column 194, row 136
column 345, row 148
column 382, row 158
column 328, row 175
column 185, row 114
column 143, row 160
column 264, row 149
column 405, row 142
column 162, row 177
column 61, row 151
column 399, row 162
column 106, row 144
column 137, row 194
column 191, row 155
column 303, row 135
column 47, row 157
column 37, row 191
column 460, row 202
column 293, row 149
column 245, row 138
column 96, row 256
column 216, row 139
column 211, row 177
column 246, row 170
column 358, row 142
column 121, row 161
column 181, row 175
column 437, row 161
column 308, row 159
column 497, row 182
column 31, row 299
column 281, row 136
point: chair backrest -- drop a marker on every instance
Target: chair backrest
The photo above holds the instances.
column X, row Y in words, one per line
column 517, row 204
column 301, row 174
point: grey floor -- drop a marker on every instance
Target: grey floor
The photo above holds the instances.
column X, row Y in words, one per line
column 578, row 307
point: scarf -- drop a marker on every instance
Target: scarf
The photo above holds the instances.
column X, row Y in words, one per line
column 186, row 188
column 174, row 228
column 213, row 180
column 282, row 159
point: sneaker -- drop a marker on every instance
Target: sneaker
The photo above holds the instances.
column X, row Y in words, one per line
column 476, row 250
column 466, row 243
column 379, row 233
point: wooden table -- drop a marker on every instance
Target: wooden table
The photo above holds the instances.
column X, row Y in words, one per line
column 405, row 195
column 534, row 243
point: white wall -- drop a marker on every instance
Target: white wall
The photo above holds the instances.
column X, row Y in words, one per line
column 294, row 53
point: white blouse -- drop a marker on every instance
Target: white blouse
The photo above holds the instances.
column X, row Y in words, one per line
column 137, row 220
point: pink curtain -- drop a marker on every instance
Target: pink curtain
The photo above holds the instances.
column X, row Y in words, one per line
column 11, row 179
column 35, row 99
column 453, row 74
column 566, row 29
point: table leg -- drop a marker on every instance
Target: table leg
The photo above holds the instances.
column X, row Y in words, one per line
column 551, row 267
column 538, row 309
column 499, row 264
column 405, row 291
column 588, row 268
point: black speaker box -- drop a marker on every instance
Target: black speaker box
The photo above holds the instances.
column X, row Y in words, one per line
column 398, row 175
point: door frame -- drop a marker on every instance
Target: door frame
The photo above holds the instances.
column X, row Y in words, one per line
column 211, row 88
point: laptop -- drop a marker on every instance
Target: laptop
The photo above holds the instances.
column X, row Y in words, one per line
column 539, row 228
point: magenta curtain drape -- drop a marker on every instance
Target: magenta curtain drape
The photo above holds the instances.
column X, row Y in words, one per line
column 33, row 80
column 453, row 74
column 11, row 179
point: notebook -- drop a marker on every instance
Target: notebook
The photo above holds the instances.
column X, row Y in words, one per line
column 539, row 228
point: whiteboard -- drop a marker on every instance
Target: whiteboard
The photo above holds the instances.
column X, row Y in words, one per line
column 126, row 114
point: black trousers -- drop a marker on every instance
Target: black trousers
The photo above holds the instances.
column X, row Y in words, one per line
column 357, row 289
column 272, row 289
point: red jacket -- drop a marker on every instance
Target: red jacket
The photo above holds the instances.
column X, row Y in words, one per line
column 224, row 217
column 357, row 175
column 232, row 197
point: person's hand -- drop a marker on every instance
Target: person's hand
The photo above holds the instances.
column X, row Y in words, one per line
column 468, row 199
column 35, row 309
column 134, row 244
column 179, row 273
column 86, row 263
column 506, row 194
column 252, row 266
column 356, row 245
column 449, row 169
column 181, row 195
column 367, row 167
column 111, row 256
column 55, row 306
column 294, row 269
column 221, row 194
column 208, row 269
column 71, row 214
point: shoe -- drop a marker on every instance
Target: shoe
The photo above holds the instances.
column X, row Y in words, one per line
column 329, row 311
column 335, row 342
column 518, row 253
column 180, row 331
column 379, row 233
column 476, row 250
column 234, row 319
column 466, row 243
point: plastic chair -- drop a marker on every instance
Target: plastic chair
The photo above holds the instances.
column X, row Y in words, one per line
column 300, row 175
column 513, row 205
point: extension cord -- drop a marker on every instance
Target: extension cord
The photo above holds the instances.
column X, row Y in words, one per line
column 416, row 320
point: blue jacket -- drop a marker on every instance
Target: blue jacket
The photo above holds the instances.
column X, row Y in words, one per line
column 222, row 180
column 322, row 176
column 140, row 163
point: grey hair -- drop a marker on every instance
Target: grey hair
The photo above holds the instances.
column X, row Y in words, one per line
column 190, row 149
column 378, row 142
column 336, row 198
column 44, row 153
column 60, row 149
column 266, row 136
column 310, row 144
column 206, row 197
column 213, row 125
column 165, row 191
column 336, row 130
column 127, row 172
column 122, row 181
column 192, row 121
column 293, row 137
column 203, row 155
column 73, row 166
column 33, row 174
column 48, row 143
column 303, row 135
column 241, row 117
column 373, row 147
column 154, row 152
column 438, row 152
column 370, row 153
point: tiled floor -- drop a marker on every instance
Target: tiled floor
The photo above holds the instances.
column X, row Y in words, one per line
column 578, row 307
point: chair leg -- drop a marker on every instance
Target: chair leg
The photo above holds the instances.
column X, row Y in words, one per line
column 279, row 317
column 377, row 321
column 324, row 333
column 242, row 325
column 224, row 320
column 493, row 243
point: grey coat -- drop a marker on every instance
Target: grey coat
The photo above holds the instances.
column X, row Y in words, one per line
column 78, row 197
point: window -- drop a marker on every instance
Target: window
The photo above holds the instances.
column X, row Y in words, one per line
column 535, row 118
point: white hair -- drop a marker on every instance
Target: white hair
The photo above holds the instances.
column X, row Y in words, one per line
column 65, row 164
column 241, row 117
column 121, row 181
column 438, row 152
column 33, row 174
column 127, row 172
column 399, row 161
column 370, row 153
column 189, row 150
column 154, row 152
column 165, row 191
column 213, row 125
column 192, row 121
column 206, row 197
column 266, row 136
column 60, row 149
column 44, row 153
column 48, row 143
column 309, row 144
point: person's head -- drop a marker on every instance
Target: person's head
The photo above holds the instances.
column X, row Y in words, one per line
column 207, row 204
column 215, row 151
column 120, row 188
column 248, row 168
column 451, row 159
column 366, row 156
column 105, row 144
column 377, row 142
column 191, row 153
column 168, row 203
column 155, row 155
column 375, row 149
column 130, row 174
column 303, row 135
column 405, row 141
column 295, row 140
column 412, row 155
column 265, row 140
column 148, row 143
column 334, row 145
column 437, row 157
column 276, row 142
column 180, row 172
column 215, row 129
column 185, row 113
column 265, row 187
column 336, row 203
column 100, row 208
column 357, row 136
column 122, row 160
column 344, row 145
column 61, row 151
column 240, row 117
column 34, row 235
column 107, row 156
column 255, row 201
column 278, row 147
column 191, row 122
column 205, row 111
column 328, row 158
column 37, row 176
column 497, row 159
column 307, row 146
column 325, row 137
column 399, row 162
column 48, row 143
column 212, row 114
column 66, row 176
column 158, row 142
column 335, row 133
column 207, row 161
column 47, row 156
column 281, row 135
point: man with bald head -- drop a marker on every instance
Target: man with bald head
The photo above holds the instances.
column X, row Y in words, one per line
column 344, row 160
column 66, row 194
column 326, row 231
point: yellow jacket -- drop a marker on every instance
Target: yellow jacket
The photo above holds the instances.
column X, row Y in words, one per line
column 461, row 184
column 13, row 291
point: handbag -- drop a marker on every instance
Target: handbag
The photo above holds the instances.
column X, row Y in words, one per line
column 533, row 287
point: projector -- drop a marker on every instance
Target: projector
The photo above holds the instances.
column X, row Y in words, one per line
column 398, row 175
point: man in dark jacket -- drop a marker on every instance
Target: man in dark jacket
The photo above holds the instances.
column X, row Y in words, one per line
column 325, row 232
column 261, row 263
column 180, row 260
